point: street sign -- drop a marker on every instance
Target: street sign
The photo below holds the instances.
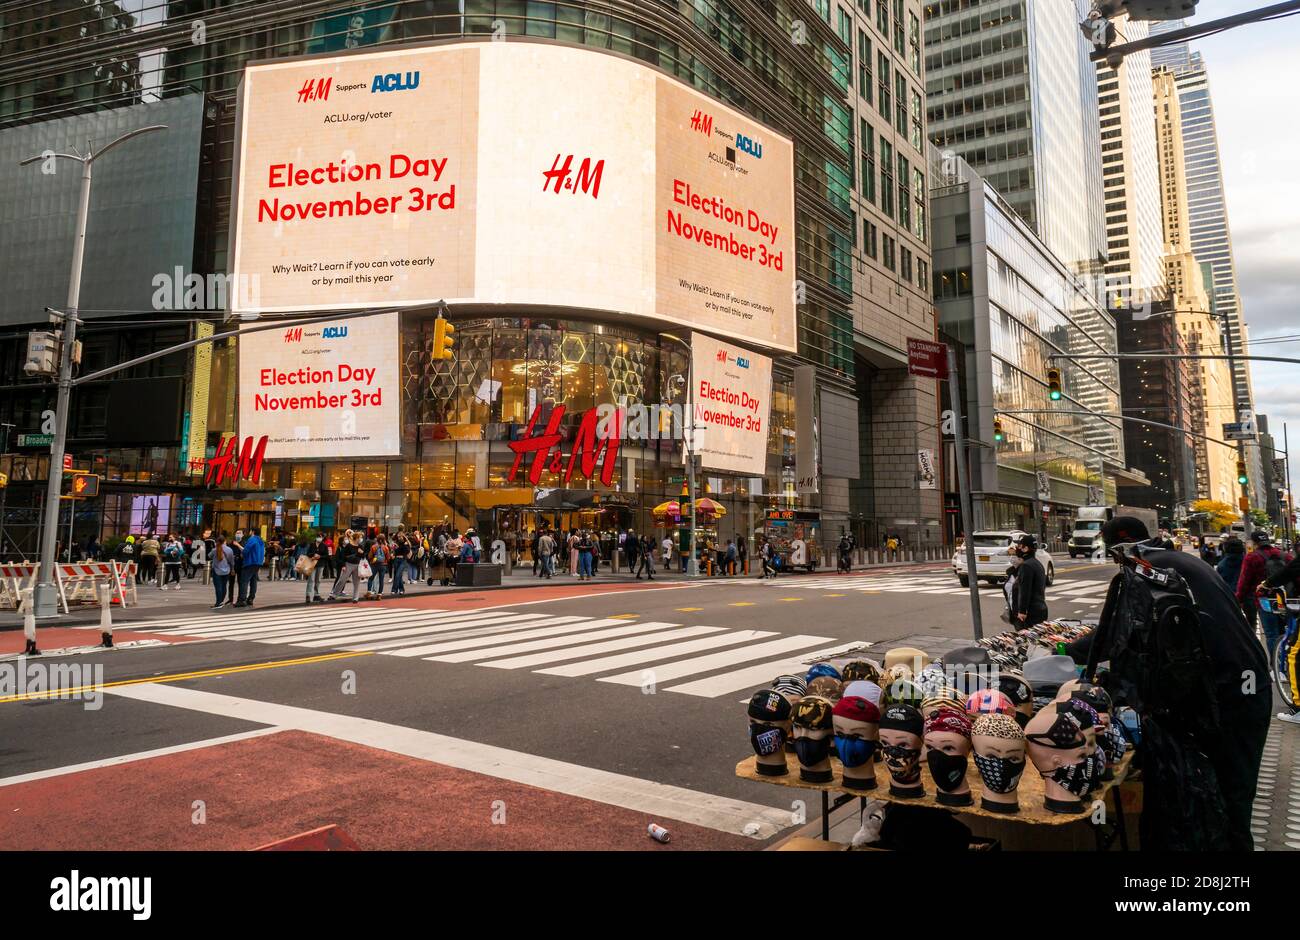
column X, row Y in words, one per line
column 1044, row 484
column 35, row 440
column 67, row 461
column 1238, row 431
column 1243, row 503
column 927, row 359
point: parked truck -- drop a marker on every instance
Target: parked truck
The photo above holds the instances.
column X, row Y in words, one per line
column 1085, row 539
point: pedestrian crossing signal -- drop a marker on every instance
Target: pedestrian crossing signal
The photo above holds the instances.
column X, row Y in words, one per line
column 1054, row 384
column 84, row 485
column 442, row 338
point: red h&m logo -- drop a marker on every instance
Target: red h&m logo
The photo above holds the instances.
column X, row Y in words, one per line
column 229, row 465
column 293, row 335
column 702, row 122
column 722, row 355
column 587, row 179
column 587, row 446
column 314, row 89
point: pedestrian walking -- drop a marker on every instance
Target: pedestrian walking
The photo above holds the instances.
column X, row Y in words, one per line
column 150, row 554
column 667, row 546
column 223, row 565
column 645, row 557
column 173, row 557
column 308, row 567
column 1232, row 556
column 742, row 555
column 253, row 557
column 401, row 561
column 380, row 556
column 546, row 553
column 585, row 553
column 348, row 561
column 1031, row 584
column 729, row 557
column 1263, row 561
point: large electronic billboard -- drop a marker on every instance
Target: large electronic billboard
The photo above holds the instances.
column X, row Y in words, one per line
column 518, row 172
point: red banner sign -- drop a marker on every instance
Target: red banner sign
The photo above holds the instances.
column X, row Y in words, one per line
column 230, row 464
column 927, row 359
column 587, row 447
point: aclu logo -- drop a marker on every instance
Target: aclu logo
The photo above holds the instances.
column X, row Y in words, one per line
column 334, row 332
column 750, row 146
column 76, row 893
column 395, row 81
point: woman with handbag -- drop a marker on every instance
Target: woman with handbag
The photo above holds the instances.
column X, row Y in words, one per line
column 349, row 563
column 308, row 565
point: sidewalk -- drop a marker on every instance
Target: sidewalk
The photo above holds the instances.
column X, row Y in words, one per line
column 194, row 597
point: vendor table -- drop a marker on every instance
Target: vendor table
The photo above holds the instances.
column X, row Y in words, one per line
column 1029, row 794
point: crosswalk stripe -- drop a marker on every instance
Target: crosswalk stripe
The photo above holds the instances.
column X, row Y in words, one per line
column 291, row 626
column 657, row 635
column 689, row 667
column 442, row 647
column 233, row 621
column 608, row 663
column 557, row 634
column 751, row 677
column 455, row 632
column 383, row 631
column 294, row 624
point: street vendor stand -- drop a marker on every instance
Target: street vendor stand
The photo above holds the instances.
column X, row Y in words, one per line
column 1030, row 795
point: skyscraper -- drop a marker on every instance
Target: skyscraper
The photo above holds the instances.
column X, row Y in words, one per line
column 1134, row 240
column 1011, row 91
column 1207, row 208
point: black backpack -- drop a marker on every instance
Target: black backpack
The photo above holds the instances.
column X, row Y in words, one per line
column 1150, row 630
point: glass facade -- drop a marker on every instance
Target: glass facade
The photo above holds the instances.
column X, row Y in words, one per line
column 1011, row 91
column 1011, row 304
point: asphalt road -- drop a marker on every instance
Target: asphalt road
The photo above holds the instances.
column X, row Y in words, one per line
column 595, row 707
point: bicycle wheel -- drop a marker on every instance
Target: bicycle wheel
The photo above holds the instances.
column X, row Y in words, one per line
column 1283, row 665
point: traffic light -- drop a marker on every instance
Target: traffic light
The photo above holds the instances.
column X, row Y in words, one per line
column 1054, row 384
column 442, row 338
column 84, row 485
column 1242, row 478
column 998, row 434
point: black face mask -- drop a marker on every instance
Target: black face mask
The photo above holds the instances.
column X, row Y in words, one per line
column 767, row 739
column 1000, row 774
column 902, row 761
column 948, row 770
column 812, row 751
column 1079, row 779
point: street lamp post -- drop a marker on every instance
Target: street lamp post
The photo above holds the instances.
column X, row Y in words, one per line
column 45, row 596
column 688, row 449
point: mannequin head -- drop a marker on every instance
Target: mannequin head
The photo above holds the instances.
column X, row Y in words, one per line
column 989, row 702
column 867, row 690
column 901, row 730
column 812, row 739
column 947, row 747
column 909, row 656
column 947, row 698
column 823, row 669
column 1094, row 695
column 904, row 692
column 1015, row 687
column 861, row 669
column 999, row 746
column 793, row 688
column 932, row 680
column 969, row 668
column 857, row 727
column 826, row 687
column 1059, row 749
column 769, row 729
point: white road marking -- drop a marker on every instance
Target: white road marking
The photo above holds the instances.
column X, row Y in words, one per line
column 689, row 667
column 657, row 800
column 608, row 663
column 555, row 656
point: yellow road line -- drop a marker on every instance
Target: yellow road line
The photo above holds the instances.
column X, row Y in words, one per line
column 624, row 616
column 688, row 609
column 742, row 604
column 178, row 676
column 790, row 598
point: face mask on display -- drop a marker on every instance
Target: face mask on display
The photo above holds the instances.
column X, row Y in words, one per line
column 1078, row 779
column 1000, row 774
column 812, row 751
column 948, row 770
column 854, row 752
column 767, row 739
column 902, row 761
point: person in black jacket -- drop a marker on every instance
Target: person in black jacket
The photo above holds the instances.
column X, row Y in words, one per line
column 1031, row 584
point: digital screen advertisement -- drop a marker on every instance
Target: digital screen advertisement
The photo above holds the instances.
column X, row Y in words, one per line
column 332, row 389
column 510, row 173
column 732, row 395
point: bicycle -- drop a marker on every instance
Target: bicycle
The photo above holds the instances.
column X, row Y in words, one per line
column 1284, row 659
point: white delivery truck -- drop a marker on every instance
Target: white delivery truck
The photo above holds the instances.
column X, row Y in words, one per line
column 1086, row 538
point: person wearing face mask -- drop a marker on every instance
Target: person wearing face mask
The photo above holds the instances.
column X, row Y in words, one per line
column 1030, row 604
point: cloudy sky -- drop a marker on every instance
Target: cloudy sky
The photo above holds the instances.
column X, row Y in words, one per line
column 1255, row 85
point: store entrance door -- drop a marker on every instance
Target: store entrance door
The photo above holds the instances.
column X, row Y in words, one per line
column 231, row 521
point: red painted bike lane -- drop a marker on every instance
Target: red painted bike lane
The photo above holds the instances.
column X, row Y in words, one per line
column 243, row 794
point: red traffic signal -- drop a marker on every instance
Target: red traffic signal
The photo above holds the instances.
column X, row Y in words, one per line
column 84, row 485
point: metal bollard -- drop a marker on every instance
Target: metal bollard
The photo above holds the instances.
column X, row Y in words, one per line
column 29, row 624
column 106, row 615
